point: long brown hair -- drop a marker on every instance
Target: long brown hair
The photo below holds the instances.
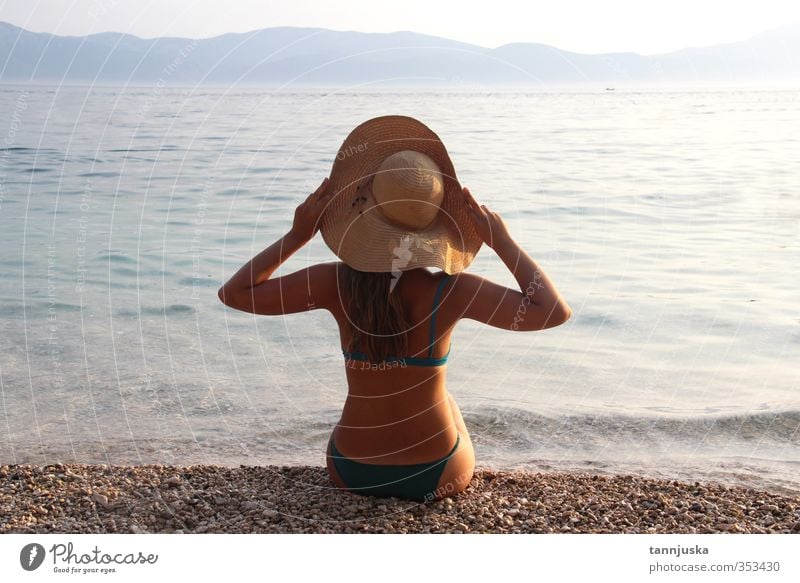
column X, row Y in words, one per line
column 375, row 317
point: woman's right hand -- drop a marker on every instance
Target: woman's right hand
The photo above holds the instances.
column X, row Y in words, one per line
column 489, row 225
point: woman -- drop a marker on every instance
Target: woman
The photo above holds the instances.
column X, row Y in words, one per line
column 391, row 208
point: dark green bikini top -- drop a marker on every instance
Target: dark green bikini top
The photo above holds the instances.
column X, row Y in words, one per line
column 419, row 360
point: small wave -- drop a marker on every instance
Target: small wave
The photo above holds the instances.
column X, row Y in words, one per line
column 18, row 149
column 39, row 151
column 199, row 281
column 115, row 257
column 34, row 308
column 16, row 262
column 64, row 307
column 232, row 240
column 141, row 273
column 595, row 319
column 108, row 174
column 125, row 271
column 526, row 429
column 171, row 310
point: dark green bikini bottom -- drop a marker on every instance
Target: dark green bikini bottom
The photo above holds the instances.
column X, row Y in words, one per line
column 411, row 481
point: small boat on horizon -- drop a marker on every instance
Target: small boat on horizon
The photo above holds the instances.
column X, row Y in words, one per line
column 609, row 89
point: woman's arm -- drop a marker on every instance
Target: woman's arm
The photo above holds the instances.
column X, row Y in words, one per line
column 251, row 289
column 533, row 282
column 536, row 306
column 260, row 268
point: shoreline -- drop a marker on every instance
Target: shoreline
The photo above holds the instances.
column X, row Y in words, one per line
column 101, row 498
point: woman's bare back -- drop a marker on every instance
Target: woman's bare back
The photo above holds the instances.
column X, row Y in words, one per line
column 398, row 413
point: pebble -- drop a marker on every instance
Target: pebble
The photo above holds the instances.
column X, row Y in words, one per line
column 301, row 499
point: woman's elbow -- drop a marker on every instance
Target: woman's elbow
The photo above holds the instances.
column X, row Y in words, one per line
column 562, row 313
column 227, row 297
column 556, row 316
column 542, row 318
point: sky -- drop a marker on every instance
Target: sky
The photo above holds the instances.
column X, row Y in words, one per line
column 642, row 26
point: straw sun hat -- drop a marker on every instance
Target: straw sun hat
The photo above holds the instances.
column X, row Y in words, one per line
column 397, row 203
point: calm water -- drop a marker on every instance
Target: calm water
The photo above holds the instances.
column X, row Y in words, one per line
column 669, row 220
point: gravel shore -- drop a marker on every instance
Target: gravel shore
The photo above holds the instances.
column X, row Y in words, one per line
column 80, row 498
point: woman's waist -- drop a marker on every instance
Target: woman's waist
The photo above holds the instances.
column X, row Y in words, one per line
column 416, row 383
column 373, row 446
column 392, row 403
column 393, row 436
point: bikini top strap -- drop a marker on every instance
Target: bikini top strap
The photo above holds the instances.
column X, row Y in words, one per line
column 436, row 299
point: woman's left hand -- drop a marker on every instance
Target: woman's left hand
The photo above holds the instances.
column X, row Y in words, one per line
column 308, row 215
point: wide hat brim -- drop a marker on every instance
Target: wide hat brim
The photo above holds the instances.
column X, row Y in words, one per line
column 356, row 230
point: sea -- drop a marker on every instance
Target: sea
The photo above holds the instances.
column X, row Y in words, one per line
column 668, row 218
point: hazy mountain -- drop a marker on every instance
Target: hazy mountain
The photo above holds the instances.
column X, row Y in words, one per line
column 315, row 56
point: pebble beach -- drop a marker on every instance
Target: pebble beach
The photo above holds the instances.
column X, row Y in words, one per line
column 81, row 498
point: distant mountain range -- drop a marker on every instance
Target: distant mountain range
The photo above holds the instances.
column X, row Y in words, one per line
column 321, row 57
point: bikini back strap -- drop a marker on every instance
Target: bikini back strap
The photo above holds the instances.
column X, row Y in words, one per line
column 436, row 299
